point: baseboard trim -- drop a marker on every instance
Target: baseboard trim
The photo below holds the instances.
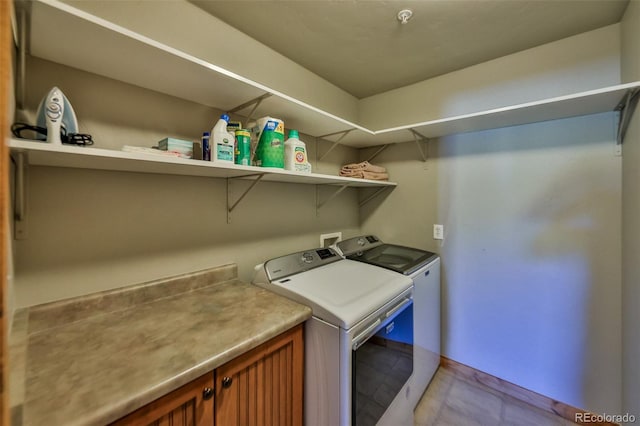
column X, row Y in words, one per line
column 525, row 395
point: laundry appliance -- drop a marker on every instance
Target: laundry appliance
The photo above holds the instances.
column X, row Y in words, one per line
column 423, row 267
column 359, row 341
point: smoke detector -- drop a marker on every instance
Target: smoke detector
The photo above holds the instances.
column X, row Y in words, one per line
column 404, row 15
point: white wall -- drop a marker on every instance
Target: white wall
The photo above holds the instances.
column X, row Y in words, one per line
column 93, row 230
column 531, row 258
column 631, row 221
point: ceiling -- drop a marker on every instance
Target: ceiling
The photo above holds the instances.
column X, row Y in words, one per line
column 361, row 46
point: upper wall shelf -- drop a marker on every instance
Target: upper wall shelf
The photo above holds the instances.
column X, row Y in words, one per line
column 578, row 104
column 92, row 44
column 183, row 75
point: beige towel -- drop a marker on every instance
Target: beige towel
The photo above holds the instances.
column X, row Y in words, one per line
column 364, row 166
column 362, row 174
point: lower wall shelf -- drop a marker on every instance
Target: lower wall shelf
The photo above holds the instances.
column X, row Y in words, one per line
column 44, row 154
column 37, row 153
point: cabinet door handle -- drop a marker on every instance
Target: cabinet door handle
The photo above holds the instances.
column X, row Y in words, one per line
column 226, row 382
column 207, row 393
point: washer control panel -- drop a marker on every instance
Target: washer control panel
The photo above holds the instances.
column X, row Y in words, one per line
column 295, row 263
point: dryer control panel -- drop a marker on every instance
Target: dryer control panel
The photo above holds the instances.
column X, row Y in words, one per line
column 295, row 263
column 358, row 244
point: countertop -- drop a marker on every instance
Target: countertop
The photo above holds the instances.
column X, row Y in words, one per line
column 94, row 359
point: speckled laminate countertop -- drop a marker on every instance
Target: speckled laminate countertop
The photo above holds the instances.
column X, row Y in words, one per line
column 92, row 360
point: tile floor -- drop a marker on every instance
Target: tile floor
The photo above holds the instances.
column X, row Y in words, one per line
column 452, row 400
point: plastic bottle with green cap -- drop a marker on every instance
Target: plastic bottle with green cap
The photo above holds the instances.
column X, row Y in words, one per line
column 295, row 154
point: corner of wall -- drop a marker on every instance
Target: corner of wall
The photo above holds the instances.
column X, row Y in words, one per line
column 630, row 43
column 10, row 296
column 630, row 71
column 582, row 62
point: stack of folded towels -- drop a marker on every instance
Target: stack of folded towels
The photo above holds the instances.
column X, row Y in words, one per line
column 364, row 170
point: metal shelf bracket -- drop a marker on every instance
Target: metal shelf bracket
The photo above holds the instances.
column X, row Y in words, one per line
column 627, row 106
column 337, row 192
column 231, row 207
column 255, row 102
column 342, row 135
column 374, row 195
column 339, row 189
column 378, row 151
column 420, row 138
column 20, row 206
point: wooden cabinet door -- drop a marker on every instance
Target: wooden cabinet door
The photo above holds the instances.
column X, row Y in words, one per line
column 264, row 386
column 190, row 405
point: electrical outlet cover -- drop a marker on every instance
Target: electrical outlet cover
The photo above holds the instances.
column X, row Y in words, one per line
column 327, row 240
column 438, row 232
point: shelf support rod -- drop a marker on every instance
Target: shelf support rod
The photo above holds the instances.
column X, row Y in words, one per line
column 255, row 102
column 626, row 107
column 20, row 159
column 334, row 195
column 253, row 110
column 375, row 154
column 246, row 191
column 22, row 59
column 19, row 212
column 344, row 133
column 372, row 196
column 420, row 138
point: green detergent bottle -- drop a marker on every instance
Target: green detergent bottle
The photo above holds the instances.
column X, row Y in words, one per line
column 270, row 149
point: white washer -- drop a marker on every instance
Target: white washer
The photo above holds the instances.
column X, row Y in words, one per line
column 355, row 307
column 423, row 267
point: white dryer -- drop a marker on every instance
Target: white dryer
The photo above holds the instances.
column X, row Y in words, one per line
column 359, row 341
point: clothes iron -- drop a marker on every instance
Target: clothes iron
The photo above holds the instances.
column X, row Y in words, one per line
column 57, row 115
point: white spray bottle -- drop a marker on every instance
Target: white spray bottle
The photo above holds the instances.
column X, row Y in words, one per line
column 222, row 144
